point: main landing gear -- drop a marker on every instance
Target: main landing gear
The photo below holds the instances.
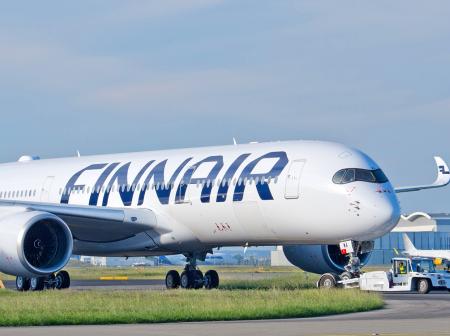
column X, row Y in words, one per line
column 192, row 277
column 60, row 280
column 352, row 269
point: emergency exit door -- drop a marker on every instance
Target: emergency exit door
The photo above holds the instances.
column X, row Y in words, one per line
column 292, row 190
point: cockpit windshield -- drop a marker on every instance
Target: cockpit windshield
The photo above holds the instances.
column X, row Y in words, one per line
column 348, row 175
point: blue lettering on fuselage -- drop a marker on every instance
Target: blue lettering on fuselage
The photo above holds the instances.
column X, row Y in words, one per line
column 93, row 200
column 262, row 185
column 126, row 191
column 157, row 173
column 207, row 187
column 71, row 184
column 224, row 186
column 163, row 190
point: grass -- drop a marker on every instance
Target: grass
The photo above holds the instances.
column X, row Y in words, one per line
column 292, row 281
column 120, row 307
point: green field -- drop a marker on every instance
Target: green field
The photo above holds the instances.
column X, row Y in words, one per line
column 113, row 307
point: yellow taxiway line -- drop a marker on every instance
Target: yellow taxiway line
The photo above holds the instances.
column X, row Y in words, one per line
column 123, row 278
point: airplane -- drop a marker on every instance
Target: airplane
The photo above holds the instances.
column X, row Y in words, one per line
column 189, row 201
column 411, row 251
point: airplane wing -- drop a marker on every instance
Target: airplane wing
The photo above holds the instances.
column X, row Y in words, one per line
column 89, row 223
column 443, row 178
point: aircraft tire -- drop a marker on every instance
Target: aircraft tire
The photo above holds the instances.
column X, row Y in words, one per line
column 328, row 281
column 211, row 279
column 22, row 283
column 172, row 279
column 198, row 279
column 346, row 276
column 37, row 284
column 62, row 280
column 187, row 280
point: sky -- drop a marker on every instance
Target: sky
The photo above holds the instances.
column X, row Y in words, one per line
column 118, row 76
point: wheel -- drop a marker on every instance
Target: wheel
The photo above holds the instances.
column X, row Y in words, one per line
column 346, row 276
column 187, row 280
column 327, row 281
column 172, row 279
column 62, row 280
column 211, row 279
column 423, row 286
column 50, row 282
column 191, row 279
column 198, row 279
column 37, row 284
column 22, row 283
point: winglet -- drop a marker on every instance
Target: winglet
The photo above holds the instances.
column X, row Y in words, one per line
column 443, row 178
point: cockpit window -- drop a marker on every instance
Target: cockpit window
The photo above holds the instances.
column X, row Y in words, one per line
column 349, row 175
column 337, row 178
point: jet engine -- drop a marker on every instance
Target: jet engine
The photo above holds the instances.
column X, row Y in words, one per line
column 33, row 243
column 320, row 259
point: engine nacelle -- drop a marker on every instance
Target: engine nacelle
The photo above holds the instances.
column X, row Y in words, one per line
column 319, row 259
column 33, row 243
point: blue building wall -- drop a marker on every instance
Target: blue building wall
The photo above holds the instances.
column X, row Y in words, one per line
column 384, row 246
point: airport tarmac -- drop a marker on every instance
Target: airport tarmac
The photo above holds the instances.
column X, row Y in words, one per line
column 405, row 314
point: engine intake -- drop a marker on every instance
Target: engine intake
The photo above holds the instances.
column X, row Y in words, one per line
column 319, row 258
column 34, row 243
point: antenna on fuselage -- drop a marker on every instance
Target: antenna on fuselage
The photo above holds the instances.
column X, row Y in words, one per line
column 234, row 141
column 78, row 153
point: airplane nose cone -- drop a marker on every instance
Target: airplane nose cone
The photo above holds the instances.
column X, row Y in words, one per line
column 385, row 214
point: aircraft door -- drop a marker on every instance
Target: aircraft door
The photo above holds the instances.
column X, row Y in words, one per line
column 292, row 190
column 46, row 188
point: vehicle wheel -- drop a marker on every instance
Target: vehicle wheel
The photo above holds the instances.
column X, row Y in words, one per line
column 22, row 283
column 346, row 276
column 37, row 284
column 172, row 279
column 423, row 286
column 327, row 281
column 198, row 279
column 62, row 280
column 211, row 279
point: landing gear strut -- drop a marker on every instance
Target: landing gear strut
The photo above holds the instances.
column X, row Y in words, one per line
column 192, row 277
column 60, row 280
column 353, row 268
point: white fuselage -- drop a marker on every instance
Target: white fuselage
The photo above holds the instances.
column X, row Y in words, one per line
column 257, row 194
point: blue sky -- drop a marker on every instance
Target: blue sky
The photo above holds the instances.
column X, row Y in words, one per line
column 113, row 76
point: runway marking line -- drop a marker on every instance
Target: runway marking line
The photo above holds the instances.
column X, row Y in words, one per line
column 124, row 278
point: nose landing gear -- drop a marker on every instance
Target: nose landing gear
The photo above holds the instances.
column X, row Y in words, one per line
column 353, row 268
column 192, row 277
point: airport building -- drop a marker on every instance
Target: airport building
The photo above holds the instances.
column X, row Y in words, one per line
column 427, row 232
